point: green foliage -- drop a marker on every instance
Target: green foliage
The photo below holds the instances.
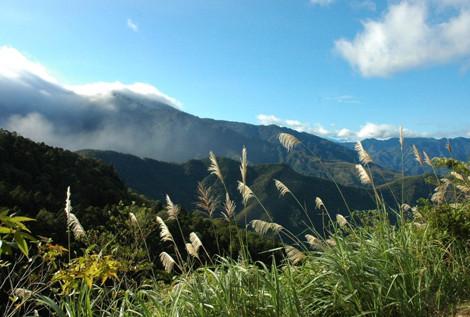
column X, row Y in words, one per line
column 451, row 219
column 86, row 269
column 14, row 233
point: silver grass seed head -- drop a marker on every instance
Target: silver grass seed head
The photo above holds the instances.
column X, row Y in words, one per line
column 281, row 187
column 319, row 203
column 363, row 175
column 172, row 209
column 313, row 241
column 246, row 192
column 417, row 155
column 294, row 255
column 288, row 141
column 263, row 227
column 341, row 220
column 165, row 234
column 214, row 167
column 364, row 157
column 167, row 261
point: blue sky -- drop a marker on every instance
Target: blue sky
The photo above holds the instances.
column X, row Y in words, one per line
column 336, row 68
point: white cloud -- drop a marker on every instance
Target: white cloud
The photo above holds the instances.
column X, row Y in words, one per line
column 377, row 131
column 408, row 36
column 265, row 119
column 322, row 3
column 297, row 125
column 132, row 25
column 366, row 131
column 13, row 65
column 105, row 89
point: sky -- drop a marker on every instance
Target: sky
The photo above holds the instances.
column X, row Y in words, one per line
column 339, row 69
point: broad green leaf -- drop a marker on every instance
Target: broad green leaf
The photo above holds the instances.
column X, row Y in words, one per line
column 21, row 242
column 22, row 219
column 5, row 230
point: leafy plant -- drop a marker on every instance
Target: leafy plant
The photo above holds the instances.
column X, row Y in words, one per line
column 14, row 233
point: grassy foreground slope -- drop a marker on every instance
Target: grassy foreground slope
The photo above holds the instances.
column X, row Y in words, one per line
column 364, row 265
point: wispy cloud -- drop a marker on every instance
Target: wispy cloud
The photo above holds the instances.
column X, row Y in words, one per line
column 132, row 25
column 410, row 34
column 344, row 99
column 322, row 3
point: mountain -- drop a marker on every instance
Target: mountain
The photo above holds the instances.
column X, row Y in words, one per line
column 156, row 179
column 387, row 153
column 141, row 121
column 35, row 176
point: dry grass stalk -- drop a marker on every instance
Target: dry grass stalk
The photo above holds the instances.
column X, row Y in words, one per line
column 281, row 187
column 363, row 175
column 73, row 224
column 165, row 233
column 167, row 261
column 427, row 159
column 288, row 141
column 245, row 191
column 319, row 203
column 402, row 138
column 76, row 227
column 457, row 176
column 341, row 220
column 405, row 207
column 133, row 219
column 22, row 293
column 243, row 165
column 449, row 146
column 206, row 199
column 417, row 155
column 263, row 227
column 440, row 192
column 331, row 242
column 294, row 255
column 229, row 207
column 195, row 241
column 214, row 167
column 364, row 157
column 68, row 203
column 191, row 251
column 314, row 242
column 172, row 209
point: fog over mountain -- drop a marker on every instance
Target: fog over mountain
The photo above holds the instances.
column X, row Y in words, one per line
column 102, row 115
column 135, row 119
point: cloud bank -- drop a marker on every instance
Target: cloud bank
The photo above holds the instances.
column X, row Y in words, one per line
column 367, row 131
column 114, row 116
column 411, row 34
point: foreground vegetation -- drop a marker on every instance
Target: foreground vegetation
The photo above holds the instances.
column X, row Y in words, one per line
column 395, row 260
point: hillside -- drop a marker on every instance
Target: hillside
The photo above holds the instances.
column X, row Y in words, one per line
column 35, row 176
column 155, row 179
column 387, row 153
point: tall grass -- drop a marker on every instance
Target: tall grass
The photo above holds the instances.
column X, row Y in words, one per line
column 360, row 265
